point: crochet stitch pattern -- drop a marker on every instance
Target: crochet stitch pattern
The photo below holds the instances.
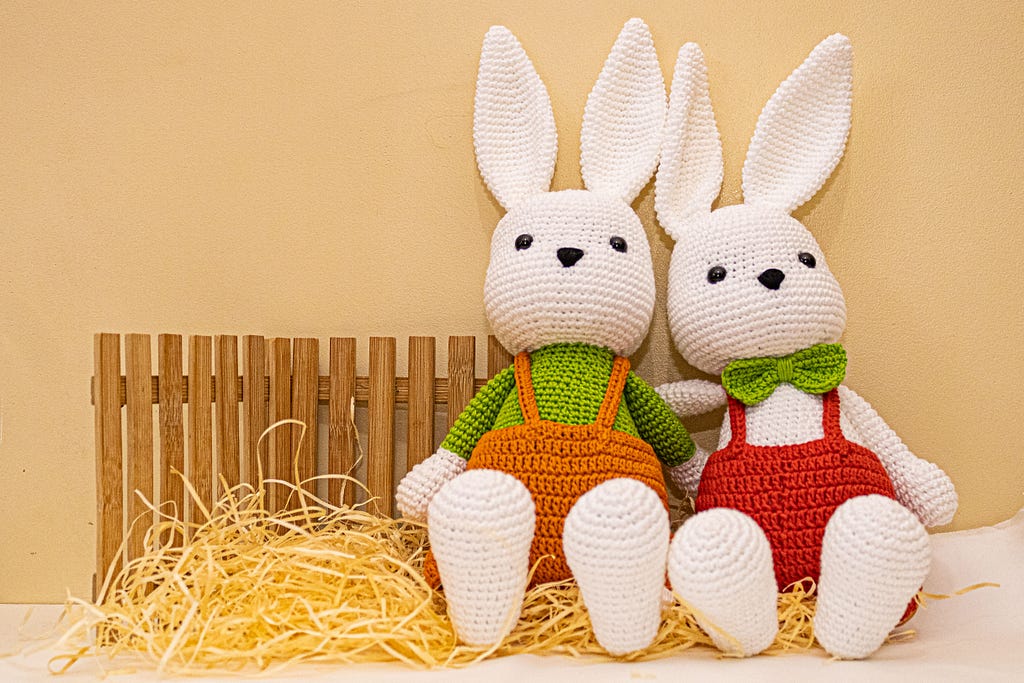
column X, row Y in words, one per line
column 815, row 370
column 563, row 452
column 559, row 462
column 809, row 482
column 569, row 381
column 791, row 493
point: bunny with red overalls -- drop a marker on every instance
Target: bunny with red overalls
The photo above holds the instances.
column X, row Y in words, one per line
column 808, row 480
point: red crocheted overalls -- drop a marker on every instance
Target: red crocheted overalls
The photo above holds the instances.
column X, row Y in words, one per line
column 791, row 491
column 558, row 463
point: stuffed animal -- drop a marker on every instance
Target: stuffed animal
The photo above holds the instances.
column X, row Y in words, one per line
column 556, row 462
column 808, row 480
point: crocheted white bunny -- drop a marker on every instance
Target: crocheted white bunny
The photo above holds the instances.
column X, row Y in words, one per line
column 807, row 477
column 563, row 448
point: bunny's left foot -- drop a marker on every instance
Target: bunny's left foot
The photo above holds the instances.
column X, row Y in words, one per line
column 720, row 564
column 481, row 525
column 616, row 543
column 874, row 557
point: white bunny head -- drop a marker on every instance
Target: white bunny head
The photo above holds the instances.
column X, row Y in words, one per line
column 575, row 265
column 749, row 280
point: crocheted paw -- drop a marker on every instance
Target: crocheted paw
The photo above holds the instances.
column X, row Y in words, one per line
column 481, row 526
column 687, row 475
column 616, row 543
column 693, row 396
column 720, row 563
column 874, row 557
column 422, row 483
column 923, row 488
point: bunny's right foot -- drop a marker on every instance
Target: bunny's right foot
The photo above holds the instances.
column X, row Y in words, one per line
column 616, row 543
column 481, row 526
column 720, row 563
column 874, row 557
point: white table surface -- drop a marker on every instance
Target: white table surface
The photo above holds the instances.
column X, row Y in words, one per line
column 975, row 637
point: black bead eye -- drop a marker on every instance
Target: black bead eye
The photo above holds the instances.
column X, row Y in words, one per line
column 618, row 244
column 523, row 242
column 716, row 274
column 807, row 259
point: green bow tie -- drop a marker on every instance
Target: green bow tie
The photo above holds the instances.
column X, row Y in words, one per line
column 815, row 370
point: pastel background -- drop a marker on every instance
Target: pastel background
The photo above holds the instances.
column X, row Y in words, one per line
column 307, row 169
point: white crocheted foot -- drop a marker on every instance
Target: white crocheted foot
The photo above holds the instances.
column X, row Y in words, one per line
column 616, row 543
column 721, row 564
column 874, row 557
column 481, row 526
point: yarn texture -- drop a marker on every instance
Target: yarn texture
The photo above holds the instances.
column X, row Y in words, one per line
column 792, row 491
column 616, row 544
column 722, row 563
column 815, row 370
column 557, row 463
column 805, row 468
column 569, row 382
column 569, row 432
column 481, row 528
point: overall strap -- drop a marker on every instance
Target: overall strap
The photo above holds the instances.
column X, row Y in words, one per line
column 524, row 386
column 737, row 422
column 613, row 394
column 830, row 416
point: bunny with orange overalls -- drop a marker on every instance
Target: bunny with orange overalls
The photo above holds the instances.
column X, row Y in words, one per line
column 556, row 464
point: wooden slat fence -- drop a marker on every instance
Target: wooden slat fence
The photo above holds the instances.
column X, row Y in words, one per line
column 227, row 399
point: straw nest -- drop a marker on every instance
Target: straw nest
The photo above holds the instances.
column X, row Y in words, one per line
column 249, row 590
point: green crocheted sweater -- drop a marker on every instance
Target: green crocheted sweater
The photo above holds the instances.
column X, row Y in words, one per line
column 569, row 382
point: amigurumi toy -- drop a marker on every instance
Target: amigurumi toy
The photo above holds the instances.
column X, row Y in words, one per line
column 808, row 479
column 556, row 462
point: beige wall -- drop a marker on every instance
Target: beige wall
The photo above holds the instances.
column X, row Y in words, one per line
column 287, row 170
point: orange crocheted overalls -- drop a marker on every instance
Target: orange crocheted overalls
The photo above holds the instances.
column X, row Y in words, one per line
column 559, row 463
column 791, row 491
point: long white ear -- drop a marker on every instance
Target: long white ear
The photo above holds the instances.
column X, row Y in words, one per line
column 802, row 131
column 513, row 125
column 624, row 116
column 690, row 173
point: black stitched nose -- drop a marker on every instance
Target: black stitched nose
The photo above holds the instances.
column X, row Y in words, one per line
column 771, row 278
column 569, row 256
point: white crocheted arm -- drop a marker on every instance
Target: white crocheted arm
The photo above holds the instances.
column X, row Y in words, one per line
column 920, row 486
column 687, row 475
column 423, row 481
column 692, row 396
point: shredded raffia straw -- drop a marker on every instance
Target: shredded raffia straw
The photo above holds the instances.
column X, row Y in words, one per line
column 324, row 584
column 251, row 591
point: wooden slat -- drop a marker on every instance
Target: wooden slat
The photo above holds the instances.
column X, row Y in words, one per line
column 280, row 452
column 381, row 406
column 420, row 437
column 362, row 392
column 362, row 389
column 341, row 453
column 305, row 373
column 254, row 406
column 109, row 506
column 497, row 357
column 172, row 430
column 227, row 410
column 200, row 425
column 461, row 372
column 138, row 368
